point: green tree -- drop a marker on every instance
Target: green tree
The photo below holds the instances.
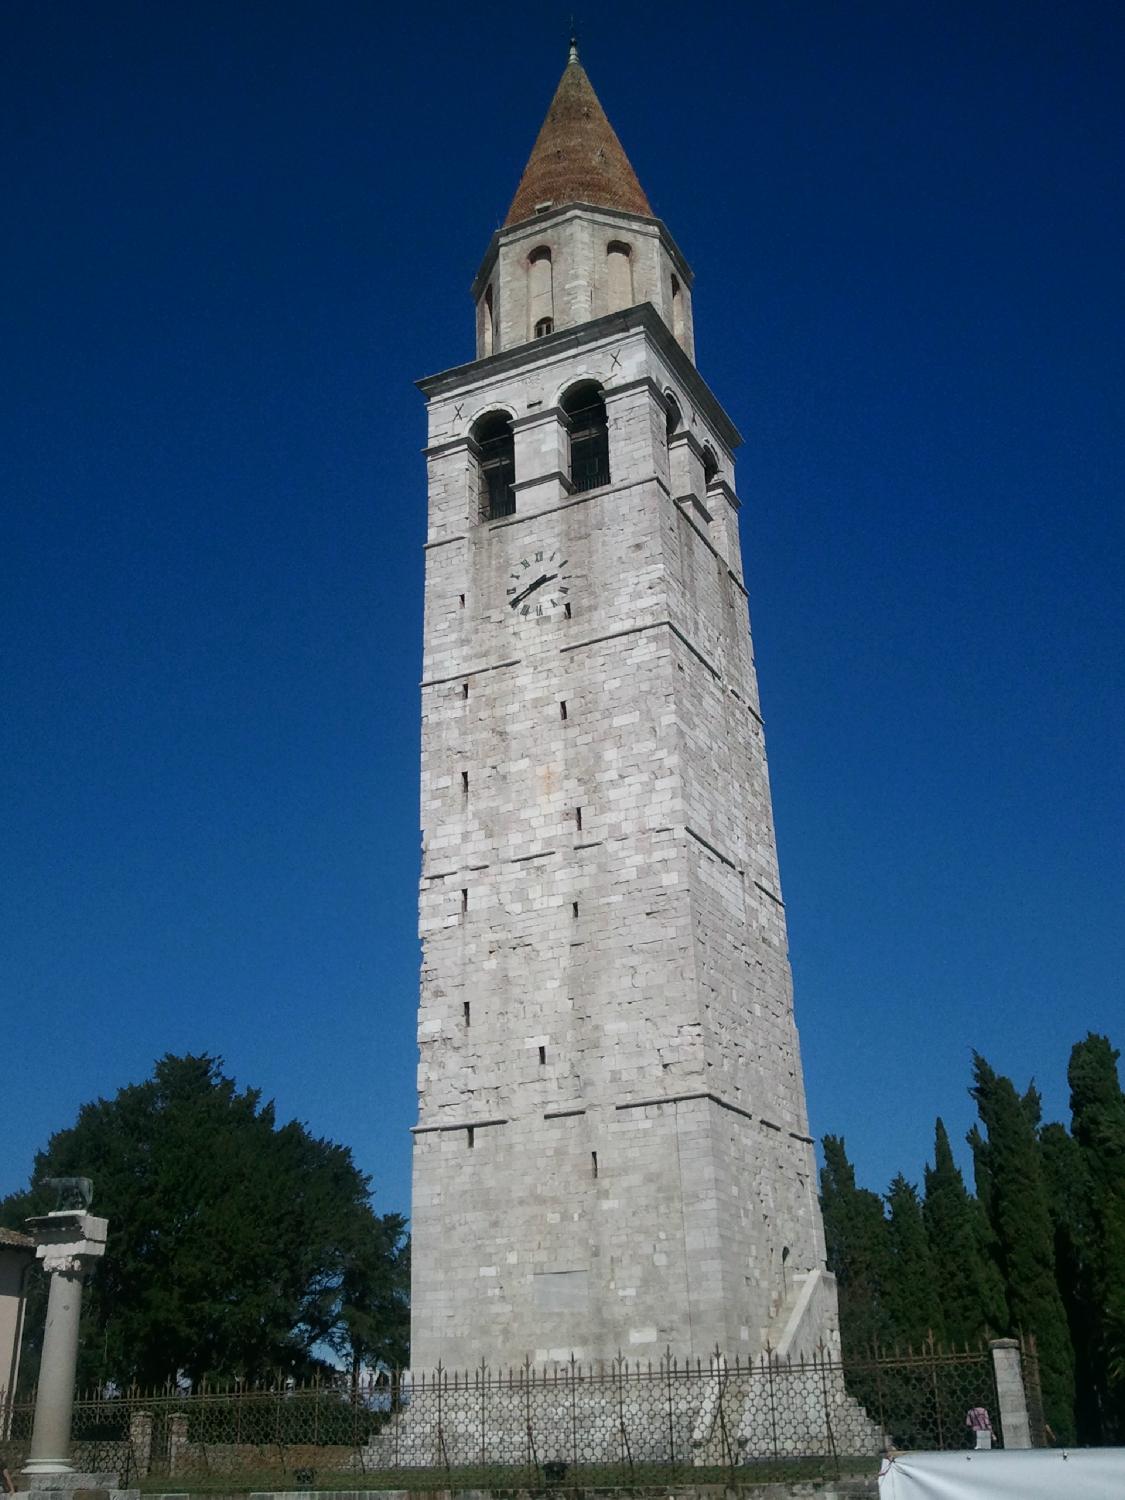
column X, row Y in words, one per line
column 911, row 1298
column 1068, row 1192
column 855, row 1233
column 374, row 1324
column 231, row 1238
column 1097, row 1108
column 969, row 1284
column 1010, row 1166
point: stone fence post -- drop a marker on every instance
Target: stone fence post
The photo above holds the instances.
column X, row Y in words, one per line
column 140, row 1438
column 177, row 1441
column 1007, row 1365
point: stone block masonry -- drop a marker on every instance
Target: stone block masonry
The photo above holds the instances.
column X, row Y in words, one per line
column 612, row 1153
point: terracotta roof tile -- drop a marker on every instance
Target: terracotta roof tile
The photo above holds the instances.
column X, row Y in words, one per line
column 577, row 157
column 14, row 1238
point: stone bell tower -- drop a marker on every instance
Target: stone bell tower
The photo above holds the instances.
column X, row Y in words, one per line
column 612, row 1151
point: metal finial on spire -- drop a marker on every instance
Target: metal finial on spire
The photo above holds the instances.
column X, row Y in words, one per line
column 573, row 42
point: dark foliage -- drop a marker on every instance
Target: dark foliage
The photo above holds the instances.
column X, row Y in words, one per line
column 238, row 1248
column 969, row 1285
column 913, row 1305
column 1019, row 1211
column 858, row 1250
column 1039, row 1249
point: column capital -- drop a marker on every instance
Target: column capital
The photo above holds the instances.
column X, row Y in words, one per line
column 55, row 1261
column 67, row 1238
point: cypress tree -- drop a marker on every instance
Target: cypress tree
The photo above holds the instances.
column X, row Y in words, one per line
column 1098, row 1127
column 855, row 1233
column 913, row 1305
column 1069, row 1195
column 1019, row 1211
column 969, row 1285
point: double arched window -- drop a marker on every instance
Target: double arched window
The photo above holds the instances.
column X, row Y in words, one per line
column 491, row 438
column 584, row 404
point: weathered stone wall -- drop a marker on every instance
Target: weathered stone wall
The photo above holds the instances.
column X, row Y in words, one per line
column 612, row 1149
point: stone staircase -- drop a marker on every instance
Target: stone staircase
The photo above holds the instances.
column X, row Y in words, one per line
column 792, row 1400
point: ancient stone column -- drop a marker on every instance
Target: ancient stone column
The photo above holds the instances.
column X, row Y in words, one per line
column 69, row 1242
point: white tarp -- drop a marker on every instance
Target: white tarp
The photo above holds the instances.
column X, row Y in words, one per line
column 1016, row 1474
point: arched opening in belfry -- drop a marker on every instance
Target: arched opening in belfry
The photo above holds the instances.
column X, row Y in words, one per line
column 488, row 324
column 584, row 405
column 673, row 418
column 494, row 449
column 710, row 464
column 540, row 292
column 677, row 310
column 619, row 276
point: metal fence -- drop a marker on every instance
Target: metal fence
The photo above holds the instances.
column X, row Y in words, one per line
column 625, row 1422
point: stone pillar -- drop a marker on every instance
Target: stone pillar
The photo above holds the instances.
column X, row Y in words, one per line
column 542, row 455
column 140, row 1439
column 637, row 416
column 685, row 458
column 1008, row 1368
column 723, row 505
column 177, row 1442
column 69, row 1241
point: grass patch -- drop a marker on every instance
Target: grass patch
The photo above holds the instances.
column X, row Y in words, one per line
column 508, row 1479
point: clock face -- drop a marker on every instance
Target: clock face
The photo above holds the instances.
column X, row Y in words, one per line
column 538, row 583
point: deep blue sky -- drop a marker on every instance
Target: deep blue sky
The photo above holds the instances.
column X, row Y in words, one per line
column 237, row 232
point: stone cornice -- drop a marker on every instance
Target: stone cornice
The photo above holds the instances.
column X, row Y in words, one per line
column 640, row 383
column 539, row 415
column 640, row 319
column 721, row 487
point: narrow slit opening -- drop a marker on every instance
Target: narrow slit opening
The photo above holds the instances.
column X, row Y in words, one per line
column 465, row 1010
column 594, row 1162
column 464, row 899
column 464, row 690
column 566, row 609
column 562, row 710
column 464, row 783
column 462, row 599
column 574, row 910
column 578, row 819
column 470, row 1136
column 542, row 1056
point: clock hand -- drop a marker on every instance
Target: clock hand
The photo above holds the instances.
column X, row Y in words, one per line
column 539, row 582
column 522, row 595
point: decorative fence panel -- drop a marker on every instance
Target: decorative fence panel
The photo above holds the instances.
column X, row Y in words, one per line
column 623, row 1423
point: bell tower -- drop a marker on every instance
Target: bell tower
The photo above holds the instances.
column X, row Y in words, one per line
column 612, row 1151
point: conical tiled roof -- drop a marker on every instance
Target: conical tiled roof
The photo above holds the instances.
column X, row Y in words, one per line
column 577, row 158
